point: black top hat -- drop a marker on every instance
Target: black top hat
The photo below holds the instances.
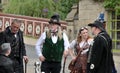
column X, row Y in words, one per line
column 54, row 20
column 97, row 24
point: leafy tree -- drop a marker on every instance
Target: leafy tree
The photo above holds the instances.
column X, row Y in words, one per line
column 111, row 3
column 39, row 8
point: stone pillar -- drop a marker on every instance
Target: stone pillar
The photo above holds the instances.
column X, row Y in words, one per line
column 71, row 28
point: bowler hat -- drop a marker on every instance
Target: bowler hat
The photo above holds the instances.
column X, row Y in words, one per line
column 54, row 20
column 97, row 24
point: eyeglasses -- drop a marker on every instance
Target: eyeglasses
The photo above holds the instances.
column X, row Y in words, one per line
column 81, row 29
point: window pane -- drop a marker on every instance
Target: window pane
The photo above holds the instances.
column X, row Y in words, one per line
column 113, row 45
column 118, row 35
column 118, row 25
column 113, row 35
column 118, row 45
column 113, row 25
column 118, row 17
column 113, row 15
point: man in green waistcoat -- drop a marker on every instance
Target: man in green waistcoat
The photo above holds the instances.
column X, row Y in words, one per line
column 51, row 46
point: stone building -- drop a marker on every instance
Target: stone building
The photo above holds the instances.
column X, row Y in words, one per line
column 87, row 11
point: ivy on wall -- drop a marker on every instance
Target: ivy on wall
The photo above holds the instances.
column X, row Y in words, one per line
column 111, row 5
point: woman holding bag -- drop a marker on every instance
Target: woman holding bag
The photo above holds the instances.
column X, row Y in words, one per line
column 78, row 50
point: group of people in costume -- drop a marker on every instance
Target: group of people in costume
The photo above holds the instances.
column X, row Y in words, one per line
column 95, row 54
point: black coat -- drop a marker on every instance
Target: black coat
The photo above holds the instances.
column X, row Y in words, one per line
column 100, row 59
column 6, row 64
column 8, row 37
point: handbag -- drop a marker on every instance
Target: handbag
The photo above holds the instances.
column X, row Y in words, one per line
column 72, row 64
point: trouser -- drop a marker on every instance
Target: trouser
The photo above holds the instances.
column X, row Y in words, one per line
column 51, row 67
column 18, row 65
column 88, row 68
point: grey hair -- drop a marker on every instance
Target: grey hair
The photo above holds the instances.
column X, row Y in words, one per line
column 4, row 48
column 16, row 21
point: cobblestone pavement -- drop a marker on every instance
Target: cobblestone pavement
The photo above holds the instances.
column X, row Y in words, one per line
column 33, row 58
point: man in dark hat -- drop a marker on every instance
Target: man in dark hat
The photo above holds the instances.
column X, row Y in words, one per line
column 6, row 64
column 101, row 19
column 100, row 55
column 51, row 46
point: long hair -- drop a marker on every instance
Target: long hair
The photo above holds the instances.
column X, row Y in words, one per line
column 48, row 32
column 79, row 38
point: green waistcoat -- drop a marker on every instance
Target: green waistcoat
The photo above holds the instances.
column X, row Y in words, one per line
column 51, row 51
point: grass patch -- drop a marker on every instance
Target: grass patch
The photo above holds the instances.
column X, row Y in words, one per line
column 116, row 51
column 30, row 37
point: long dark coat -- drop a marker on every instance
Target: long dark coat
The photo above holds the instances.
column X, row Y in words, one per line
column 8, row 37
column 100, row 55
column 6, row 64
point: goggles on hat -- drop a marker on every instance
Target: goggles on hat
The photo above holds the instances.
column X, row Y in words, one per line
column 81, row 29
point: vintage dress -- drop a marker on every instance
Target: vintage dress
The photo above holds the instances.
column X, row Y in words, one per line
column 17, row 47
column 100, row 56
column 84, row 47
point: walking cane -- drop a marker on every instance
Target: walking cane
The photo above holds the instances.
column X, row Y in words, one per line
column 25, row 67
column 64, row 64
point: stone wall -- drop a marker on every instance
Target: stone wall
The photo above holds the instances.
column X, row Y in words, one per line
column 88, row 11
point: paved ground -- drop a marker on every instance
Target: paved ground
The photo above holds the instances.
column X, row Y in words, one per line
column 33, row 58
column 30, row 46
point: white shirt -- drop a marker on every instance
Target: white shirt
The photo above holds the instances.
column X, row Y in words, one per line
column 41, row 40
column 81, row 44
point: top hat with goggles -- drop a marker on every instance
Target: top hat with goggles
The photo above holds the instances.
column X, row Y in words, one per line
column 54, row 20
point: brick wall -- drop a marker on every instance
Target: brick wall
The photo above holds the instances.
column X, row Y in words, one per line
column 31, row 26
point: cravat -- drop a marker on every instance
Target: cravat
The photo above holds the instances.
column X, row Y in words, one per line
column 54, row 33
